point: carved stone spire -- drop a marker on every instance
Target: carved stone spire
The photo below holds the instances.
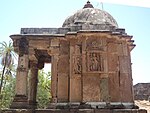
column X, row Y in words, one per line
column 88, row 5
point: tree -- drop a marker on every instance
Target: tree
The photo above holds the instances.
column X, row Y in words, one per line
column 43, row 92
column 8, row 92
column 7, row 55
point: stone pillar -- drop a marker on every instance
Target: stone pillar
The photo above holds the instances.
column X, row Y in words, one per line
column 33, row 81
column 125, row 73
column 20, row 99
column 113, row 69
column 54, row 53
column 54, row 79
column 75, row 93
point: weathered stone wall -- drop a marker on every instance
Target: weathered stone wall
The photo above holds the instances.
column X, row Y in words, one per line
column 87, row 66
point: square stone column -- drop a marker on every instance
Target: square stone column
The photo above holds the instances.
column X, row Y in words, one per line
column 33, row 81
column 54, row 53
column 54, row 79
column 21, row 100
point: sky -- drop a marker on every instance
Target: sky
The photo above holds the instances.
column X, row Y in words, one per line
column 133, row 16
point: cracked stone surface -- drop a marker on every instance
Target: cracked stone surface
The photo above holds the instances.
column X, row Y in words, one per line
column 90, row 16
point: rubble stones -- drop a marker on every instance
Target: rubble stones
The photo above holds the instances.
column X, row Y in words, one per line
column 142, row 91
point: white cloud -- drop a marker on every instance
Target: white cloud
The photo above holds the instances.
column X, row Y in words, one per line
column 141, row 3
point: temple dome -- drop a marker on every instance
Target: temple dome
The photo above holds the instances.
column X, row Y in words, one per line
column 90, row 16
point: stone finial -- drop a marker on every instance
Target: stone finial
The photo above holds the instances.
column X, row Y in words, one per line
column 88, row 5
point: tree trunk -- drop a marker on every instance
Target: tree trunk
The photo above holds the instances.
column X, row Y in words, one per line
column 1, row 85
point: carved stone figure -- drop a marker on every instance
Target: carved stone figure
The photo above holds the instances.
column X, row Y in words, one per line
column 78, row 49
column 96, row 62
column 21, row 65
column 77, row 66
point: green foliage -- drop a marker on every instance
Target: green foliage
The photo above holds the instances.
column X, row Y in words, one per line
column 7, row 55
column 43, row 92
column 7, row 79
column 7, row 92
column 7, row 74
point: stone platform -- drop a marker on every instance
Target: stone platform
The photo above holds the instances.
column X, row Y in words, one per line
column 88, row 107
column 75, row 111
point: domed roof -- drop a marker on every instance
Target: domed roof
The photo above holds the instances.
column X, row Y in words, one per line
column 91, row 16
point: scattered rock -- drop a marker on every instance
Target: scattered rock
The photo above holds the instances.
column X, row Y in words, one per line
column 142, row 91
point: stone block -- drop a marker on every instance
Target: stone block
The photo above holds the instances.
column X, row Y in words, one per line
column 74, row 111
column 86, row 111
column 74, row 105
column 64, row 47
column 122, row 111
column 21, row 83
column 104, row 94
column 39, row 30
column 62, row 93
column 20, row 102
column 63, row 64
column 55, row 42
column 40, row 44
column 97, row 105
column 126, row 88
column 142, row 111
column 114, row 89
column 52, row 111
column 124, row 64
column 113, row 62
column 91, row 87
column 75, row 89
column 18, row 111
column 85, row 106
column 125, row 49
column 112, row 47
column 53, row 50
column 129, row 111
column 103, row 111
column 63, row 30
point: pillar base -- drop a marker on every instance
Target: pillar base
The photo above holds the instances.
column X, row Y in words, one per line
column 32, row 104
column 92, row 105
column 54, row 100
column 20, row 102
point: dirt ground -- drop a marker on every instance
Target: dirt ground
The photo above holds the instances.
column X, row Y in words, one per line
column 143, row 105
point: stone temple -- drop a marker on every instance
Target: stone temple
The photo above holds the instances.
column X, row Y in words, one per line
column 91, row 65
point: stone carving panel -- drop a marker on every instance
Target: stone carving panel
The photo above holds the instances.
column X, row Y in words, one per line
column 77, row 65
column 95, row 62
column 96, row 44
column 77, row 60
column 78, row 49
column 23, row 63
